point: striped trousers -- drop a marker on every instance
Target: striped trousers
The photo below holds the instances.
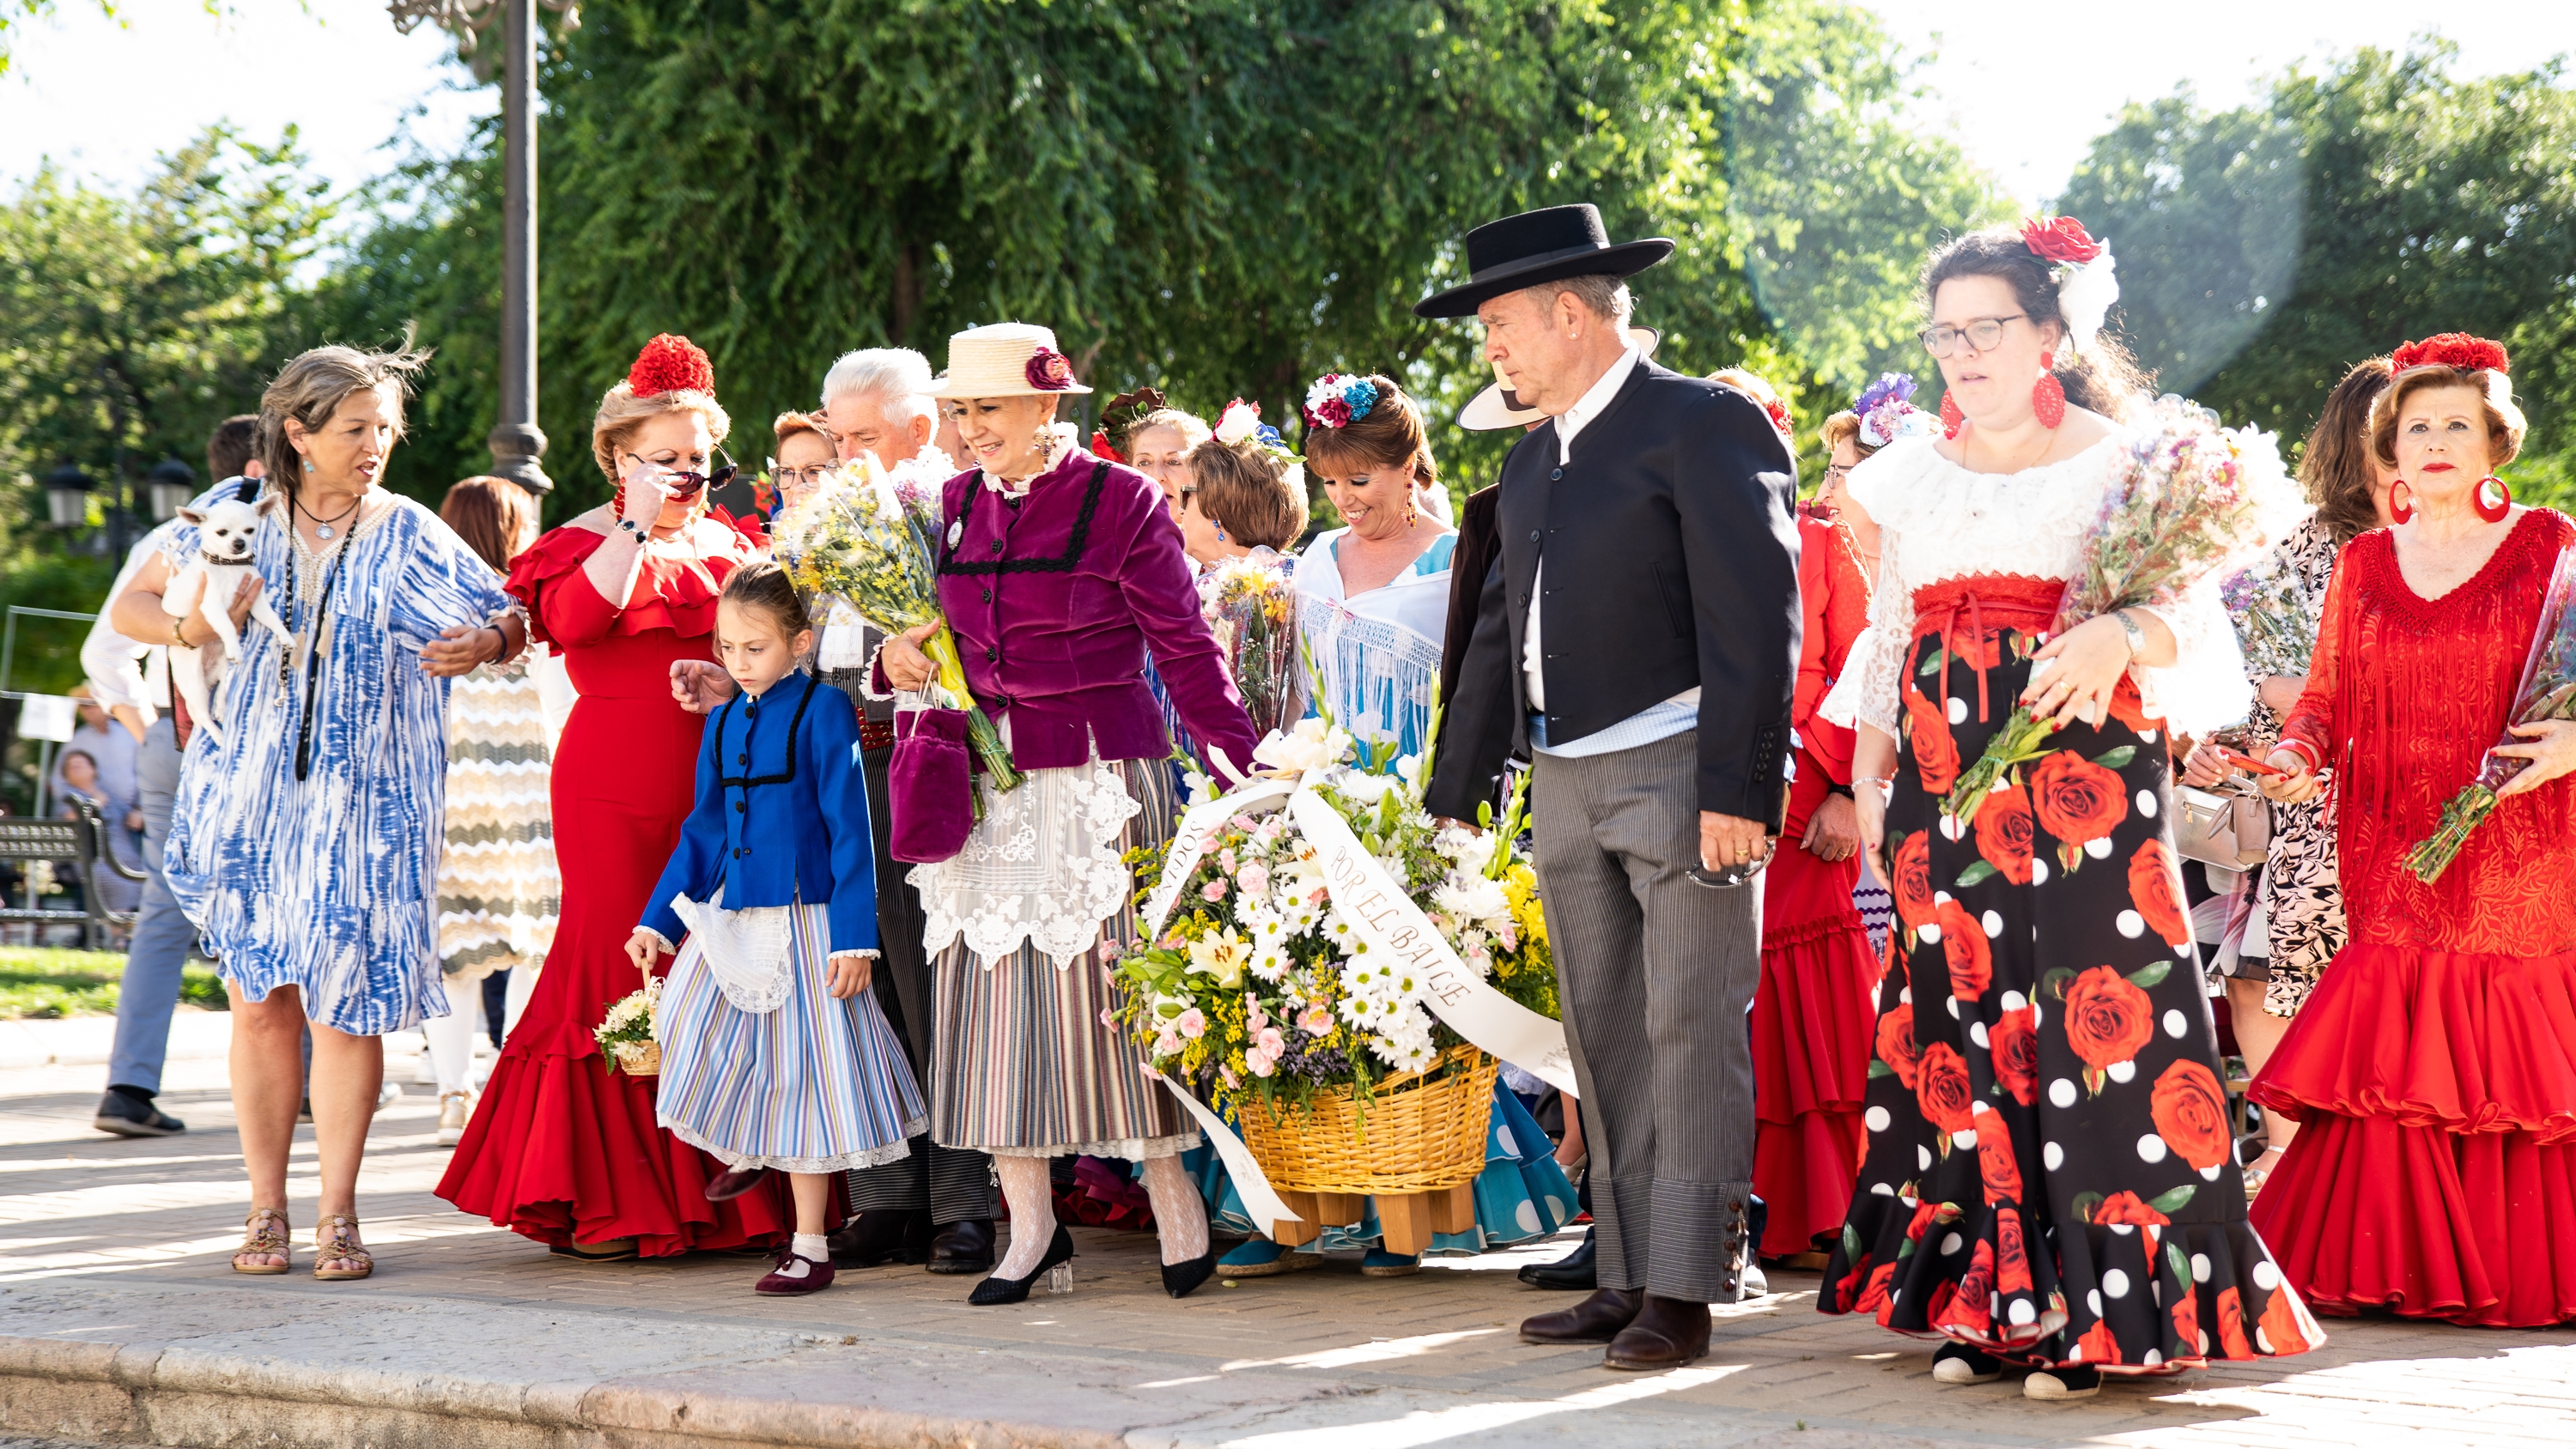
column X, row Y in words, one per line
column 1654, row 974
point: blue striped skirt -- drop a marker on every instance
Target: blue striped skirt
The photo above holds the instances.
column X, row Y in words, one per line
column 817, row 1085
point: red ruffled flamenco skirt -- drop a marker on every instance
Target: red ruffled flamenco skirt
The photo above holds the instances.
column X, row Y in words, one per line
column 1812, row 1022
column 2434, row 1173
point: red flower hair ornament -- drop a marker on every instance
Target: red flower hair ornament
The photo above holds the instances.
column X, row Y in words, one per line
column 2083, row 269
column 2452, row 349
column 671, row 363
column 1049, row 370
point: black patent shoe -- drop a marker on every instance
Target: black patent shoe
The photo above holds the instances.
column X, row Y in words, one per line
column 882, row 1236
column 964, row 1246
column 1056, row 1268
column 1183, row 1278
column 1573, row 1272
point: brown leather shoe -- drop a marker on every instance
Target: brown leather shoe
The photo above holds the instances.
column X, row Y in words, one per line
column 1667, row 1333
column 1596, row 1319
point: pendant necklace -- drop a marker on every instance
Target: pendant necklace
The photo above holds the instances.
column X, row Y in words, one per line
column 321, row 527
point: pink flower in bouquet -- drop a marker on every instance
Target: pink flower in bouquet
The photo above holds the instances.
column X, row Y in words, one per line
column 1315, row 1020
column 1253, row 1016
column 1214, row 890
column 1226, row 1074
column 1254, row 878
column 1509, row 937
column 1259, row 1061
column 1167, row 1045
column 1191, row 1023
column 1107, row 1020
column 1271, row 1042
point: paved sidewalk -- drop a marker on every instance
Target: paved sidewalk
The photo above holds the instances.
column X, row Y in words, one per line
column 120, row 1323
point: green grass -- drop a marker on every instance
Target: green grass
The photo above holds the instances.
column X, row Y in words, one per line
column 41, row 983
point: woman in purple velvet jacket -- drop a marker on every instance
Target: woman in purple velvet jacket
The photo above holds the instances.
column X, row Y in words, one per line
column 1060, row 570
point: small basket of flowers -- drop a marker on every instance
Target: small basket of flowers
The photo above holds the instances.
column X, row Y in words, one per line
column 629, row 1036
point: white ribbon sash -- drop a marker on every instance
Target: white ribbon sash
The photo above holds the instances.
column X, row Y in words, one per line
column 1259, row 1199
column 1385, row 916
column 1388, row 919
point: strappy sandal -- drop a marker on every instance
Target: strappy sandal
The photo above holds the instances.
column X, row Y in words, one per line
column 335, row 1240
column 2256, row 1174
column 265, row 1233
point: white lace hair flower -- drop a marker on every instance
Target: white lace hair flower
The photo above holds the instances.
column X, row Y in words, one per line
column 2085, row 298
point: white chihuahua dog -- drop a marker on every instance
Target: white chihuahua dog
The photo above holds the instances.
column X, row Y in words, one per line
column 225, row 534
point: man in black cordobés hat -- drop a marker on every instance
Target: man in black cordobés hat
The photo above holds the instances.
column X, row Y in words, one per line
column 1638, row 640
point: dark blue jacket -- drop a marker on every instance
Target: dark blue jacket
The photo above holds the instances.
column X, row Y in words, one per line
column 772, row 828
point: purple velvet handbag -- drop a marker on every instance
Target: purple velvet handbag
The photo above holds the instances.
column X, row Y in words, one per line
column 929, row 785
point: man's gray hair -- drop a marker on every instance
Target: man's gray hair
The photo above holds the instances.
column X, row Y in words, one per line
column 1602, row 295
column 898, row 377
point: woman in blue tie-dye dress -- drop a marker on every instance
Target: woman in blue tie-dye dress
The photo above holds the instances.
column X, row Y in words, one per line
column 304, row 840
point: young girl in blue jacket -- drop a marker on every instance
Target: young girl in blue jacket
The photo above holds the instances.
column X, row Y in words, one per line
column 774, row 1053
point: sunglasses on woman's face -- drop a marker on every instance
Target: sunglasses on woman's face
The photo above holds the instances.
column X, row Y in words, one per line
column 684, row 486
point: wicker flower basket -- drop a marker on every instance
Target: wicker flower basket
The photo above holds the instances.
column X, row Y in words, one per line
column 640, row 1058
column 1417, row 1133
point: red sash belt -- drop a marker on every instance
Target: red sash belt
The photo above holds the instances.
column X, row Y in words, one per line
column 1991, row 602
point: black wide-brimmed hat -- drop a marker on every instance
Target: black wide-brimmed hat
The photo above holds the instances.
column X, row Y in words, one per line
column 1546, row 245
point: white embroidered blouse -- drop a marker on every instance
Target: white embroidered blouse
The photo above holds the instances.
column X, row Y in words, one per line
column 1941, row 521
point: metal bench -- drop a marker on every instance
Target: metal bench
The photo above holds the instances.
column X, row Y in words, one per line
column 81, row 840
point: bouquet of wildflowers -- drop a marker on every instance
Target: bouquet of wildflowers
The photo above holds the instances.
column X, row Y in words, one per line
column 2193, row 501
column 873, row 541
column 1251, row 607
column 2548, row 692
column 1259, row 986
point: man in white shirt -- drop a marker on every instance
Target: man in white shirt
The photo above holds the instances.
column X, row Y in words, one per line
column 131, row 681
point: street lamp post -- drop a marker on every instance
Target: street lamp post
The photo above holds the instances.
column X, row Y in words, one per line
column 517, row 443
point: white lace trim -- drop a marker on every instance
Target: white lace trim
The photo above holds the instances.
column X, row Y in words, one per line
column 1131, row 1149
column 895, row 1151
column 1940, row 521
column 1043, row 868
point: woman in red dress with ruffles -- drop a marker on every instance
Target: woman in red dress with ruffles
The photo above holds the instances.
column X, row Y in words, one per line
column 561, row 1148
column 2433, row 1072
column 1813, row 1017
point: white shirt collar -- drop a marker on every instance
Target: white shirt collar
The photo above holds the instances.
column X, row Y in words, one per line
column 1596, row 398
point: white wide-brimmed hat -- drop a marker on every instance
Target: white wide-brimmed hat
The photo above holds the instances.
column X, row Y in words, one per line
column 1493, row 409
column 1007, row 359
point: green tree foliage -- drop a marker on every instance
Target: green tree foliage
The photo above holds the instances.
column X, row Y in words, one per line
column 2264, row 250
column 1218, row 196
column 135, row 323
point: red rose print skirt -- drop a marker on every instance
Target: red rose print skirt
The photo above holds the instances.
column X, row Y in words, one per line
column 2050, row 1174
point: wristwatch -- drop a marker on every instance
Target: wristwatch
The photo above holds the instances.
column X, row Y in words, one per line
column 1833, row 787
column 2129, row 626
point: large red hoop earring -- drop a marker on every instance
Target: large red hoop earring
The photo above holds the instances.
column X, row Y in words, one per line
column 2502, row 504
column 2401, row 501
column 1952, row 420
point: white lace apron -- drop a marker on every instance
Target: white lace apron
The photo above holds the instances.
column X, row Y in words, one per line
column 1042, row 866
column 745, row 951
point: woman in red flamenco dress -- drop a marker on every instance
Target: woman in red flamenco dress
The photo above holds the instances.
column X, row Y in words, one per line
column 1813, row 1017
column 2433, row 1072
column 561, row 1148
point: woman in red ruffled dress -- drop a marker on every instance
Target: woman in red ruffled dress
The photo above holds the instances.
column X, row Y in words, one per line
column 1812, row 1013
column 561, row 1148
column 2433, row 1070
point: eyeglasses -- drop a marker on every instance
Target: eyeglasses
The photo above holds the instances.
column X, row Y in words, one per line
column 1941, row 339
column 800, row 479
column 1836, row 473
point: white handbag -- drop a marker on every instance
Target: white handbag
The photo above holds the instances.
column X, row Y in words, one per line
column 2233, row 832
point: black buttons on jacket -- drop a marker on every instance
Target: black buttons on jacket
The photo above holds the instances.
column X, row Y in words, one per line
column 1554, row 473
column 742, row 850
column 1533, row 535
column 743, row 759
column 737, row 807
column 992, row 656
column 997, row 545
column 988, row 596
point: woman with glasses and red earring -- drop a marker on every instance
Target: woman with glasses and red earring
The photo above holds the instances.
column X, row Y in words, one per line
column 2433, row 1070
column 2050, row 1181
column 563, row 1149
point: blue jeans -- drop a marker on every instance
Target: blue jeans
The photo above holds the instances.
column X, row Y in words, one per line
column 161, row 934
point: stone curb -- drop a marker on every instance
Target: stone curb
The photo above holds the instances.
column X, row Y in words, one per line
column 116, row 1394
